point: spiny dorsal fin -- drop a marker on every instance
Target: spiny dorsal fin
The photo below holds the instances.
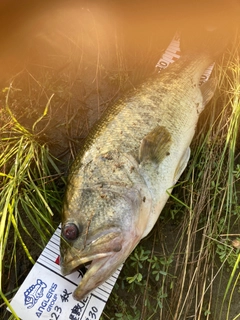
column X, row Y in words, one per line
column 155, row 145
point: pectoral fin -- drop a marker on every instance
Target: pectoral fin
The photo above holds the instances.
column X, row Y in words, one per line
column 182, row 164
column 156, row 145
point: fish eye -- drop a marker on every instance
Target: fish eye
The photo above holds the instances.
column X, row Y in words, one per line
column 70, row 231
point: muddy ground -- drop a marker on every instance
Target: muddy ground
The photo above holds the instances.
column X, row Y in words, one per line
column 86, row 54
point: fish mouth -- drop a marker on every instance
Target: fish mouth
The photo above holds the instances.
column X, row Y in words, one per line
column 97, row 247
column 100, row 261
column 76, row 263
column 94, row 276
column 98, row 269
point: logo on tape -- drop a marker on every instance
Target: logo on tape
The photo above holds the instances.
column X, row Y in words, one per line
column 34, row 293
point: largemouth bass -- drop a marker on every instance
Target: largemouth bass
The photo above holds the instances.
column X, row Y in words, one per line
column 123, row 175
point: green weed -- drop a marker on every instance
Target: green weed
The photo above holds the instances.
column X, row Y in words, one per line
column 28, row 194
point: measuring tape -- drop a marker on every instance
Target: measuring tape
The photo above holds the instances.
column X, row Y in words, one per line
column 46, row 293
column 173, row 53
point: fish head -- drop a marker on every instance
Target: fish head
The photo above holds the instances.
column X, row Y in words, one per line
column 100, row 228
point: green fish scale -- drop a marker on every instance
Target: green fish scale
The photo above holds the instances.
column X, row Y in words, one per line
column 167, row 100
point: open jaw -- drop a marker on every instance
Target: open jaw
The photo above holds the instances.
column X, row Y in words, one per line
column 99, row 268
column 76, row 262
column 101, row 260
column 103, row 253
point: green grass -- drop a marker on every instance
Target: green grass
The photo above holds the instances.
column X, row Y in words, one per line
column 28, row 194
